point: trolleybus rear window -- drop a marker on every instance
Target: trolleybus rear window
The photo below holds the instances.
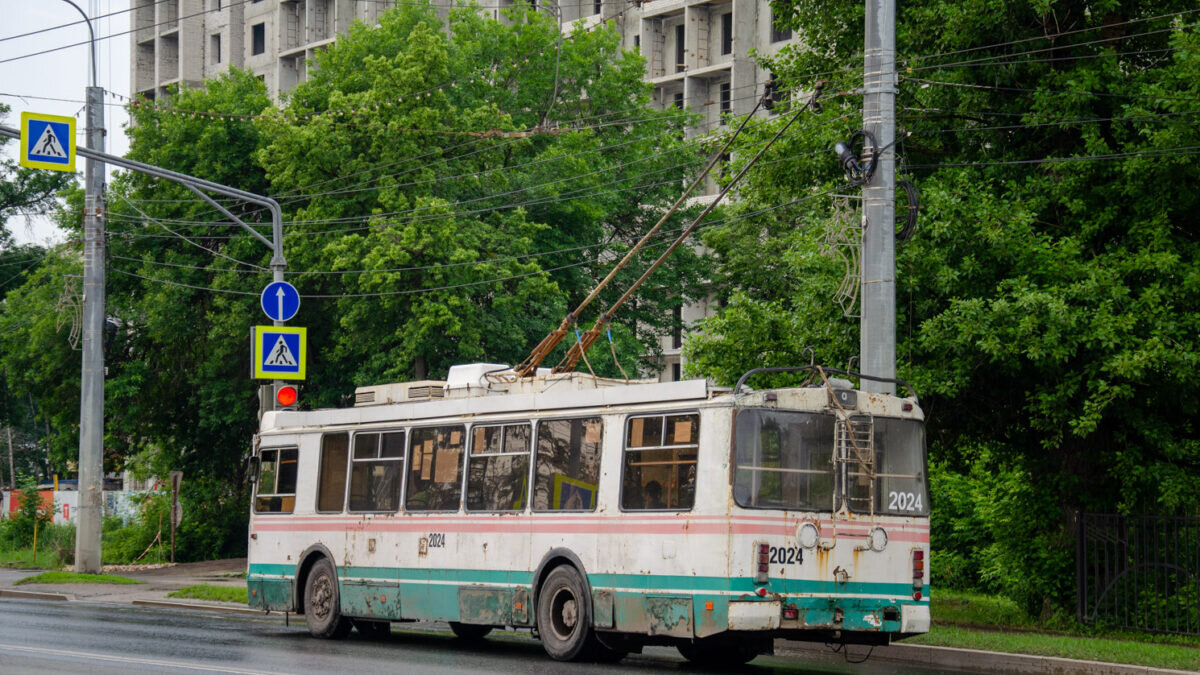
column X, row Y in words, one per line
column 783, row 460
column 377, row 463
column 276, row 481
column 659, row 471
column 331, row 488
column 899, row 465
column 568, row 464
column 498, row 469
column 435, row 469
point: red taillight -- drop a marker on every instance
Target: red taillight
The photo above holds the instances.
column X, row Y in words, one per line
column 762, row 556
column 791, row 613
column 918, row 570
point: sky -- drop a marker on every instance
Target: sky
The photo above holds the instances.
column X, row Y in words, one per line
column 35, row 84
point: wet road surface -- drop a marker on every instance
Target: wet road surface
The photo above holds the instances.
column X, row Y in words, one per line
column 98, row 639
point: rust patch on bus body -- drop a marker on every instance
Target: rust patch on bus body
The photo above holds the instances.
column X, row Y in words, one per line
column 669, row 615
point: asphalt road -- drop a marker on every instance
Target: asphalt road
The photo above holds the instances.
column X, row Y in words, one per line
column 97, row 639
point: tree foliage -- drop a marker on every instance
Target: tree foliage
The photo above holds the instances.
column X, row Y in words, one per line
column 450, row 188
column 1047, row 310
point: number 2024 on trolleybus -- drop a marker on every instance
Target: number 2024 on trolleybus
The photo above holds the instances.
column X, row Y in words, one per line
column 605, row 515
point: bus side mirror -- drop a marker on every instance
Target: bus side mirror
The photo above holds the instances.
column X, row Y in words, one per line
column 253, row 466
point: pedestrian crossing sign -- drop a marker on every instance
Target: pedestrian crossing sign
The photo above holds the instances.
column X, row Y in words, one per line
column 279, row 352
column 47, row 142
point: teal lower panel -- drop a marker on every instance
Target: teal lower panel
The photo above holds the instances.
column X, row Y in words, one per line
column 370, row 599
column 272, row 594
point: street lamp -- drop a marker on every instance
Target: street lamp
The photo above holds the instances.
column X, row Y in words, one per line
column 91, row 403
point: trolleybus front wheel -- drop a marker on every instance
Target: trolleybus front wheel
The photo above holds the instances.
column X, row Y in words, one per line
column 322, row 611
column 469, row 631
column 563, row 619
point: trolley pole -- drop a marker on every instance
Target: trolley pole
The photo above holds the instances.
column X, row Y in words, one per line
column 877, row 338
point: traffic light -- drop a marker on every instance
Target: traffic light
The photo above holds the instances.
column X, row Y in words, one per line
column 287, row 397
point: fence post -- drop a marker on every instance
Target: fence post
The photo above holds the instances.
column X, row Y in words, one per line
column 1080, row 567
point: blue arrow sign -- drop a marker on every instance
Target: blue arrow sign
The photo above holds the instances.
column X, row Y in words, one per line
column 280, row 301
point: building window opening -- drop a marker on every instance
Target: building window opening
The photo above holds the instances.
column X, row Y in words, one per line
column 258, row 38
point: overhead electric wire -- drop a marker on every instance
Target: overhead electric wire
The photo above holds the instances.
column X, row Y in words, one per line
column 740, row 216
column 81, row 21
column 1101, row 94
column 1055, row 123
column 1154, row 152
column 1051, row 36
column 199, row 246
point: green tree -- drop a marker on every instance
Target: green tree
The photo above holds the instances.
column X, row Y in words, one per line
column 1047, row 311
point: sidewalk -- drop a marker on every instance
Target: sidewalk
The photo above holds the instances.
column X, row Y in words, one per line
column 157, row 583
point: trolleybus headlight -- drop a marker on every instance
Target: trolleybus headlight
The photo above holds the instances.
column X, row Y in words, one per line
column 808, row 535
column 877, row 539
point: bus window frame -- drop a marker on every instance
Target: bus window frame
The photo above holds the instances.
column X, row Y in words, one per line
column 402, row 460
column 321, row 466
column 278, row 450
column 408, row 450
column 838, row 497
column 534, row 463
column 923, row 476
column 624, row 448
column 470, row 453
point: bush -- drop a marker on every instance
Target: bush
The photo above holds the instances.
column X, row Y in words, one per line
column 122, row 543
column 30, row 511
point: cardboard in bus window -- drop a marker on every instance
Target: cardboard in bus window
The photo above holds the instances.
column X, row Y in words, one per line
column 427, row 460
column 480, row 444
column 683, row 431
column 455, row 437
column 592, row 434
column 447, row 466
column 635, row 432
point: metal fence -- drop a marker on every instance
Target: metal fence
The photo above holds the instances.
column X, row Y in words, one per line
column 1139, row 572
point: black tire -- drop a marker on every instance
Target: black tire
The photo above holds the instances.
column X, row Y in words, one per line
column 322, row 608
column 715, row 655
column 374, row 630
column 469, row 631
column 564, row 618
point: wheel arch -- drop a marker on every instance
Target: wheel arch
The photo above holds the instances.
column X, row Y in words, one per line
column 557, row 557
column 308, row 558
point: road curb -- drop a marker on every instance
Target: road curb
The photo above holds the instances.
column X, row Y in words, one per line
column 167, row 604
column 970, row 660
column 33, row 595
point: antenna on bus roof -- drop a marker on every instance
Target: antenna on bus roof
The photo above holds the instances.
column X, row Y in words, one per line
column 585, row 340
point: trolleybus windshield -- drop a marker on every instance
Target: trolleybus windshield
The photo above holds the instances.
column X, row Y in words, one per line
column 785, row 460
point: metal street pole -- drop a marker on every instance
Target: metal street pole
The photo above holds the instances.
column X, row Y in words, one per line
column 877, row 338
column 91, row 404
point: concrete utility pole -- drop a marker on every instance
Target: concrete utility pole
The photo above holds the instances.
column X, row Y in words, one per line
column 91, row 404
column 877, row 338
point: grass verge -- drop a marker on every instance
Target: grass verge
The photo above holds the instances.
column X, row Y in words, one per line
column 209, row 592
column 22, row 558
column 76, row 578
column 1066, row 646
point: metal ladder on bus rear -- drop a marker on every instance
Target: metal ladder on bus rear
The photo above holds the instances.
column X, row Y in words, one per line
column 854, row 447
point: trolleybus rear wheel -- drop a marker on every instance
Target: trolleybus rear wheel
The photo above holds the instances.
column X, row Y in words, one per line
column 563, row 620
column 322, row 608
column 469, row 631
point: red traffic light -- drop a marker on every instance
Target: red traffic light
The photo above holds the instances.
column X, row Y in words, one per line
column 286, row 396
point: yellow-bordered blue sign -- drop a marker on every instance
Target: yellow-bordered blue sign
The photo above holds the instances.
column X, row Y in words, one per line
column 279, row 352
column 47, row 142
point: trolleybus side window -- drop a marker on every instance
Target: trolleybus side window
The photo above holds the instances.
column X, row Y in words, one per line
column 783, row 460
column 377, row 463
column 276, row 481
column 568, row 464
column 331, row 485
column 498, row 468
column 659, row 469
column 435, row 469
column 899, row 446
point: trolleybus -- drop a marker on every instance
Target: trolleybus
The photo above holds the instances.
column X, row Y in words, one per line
column 603, row 515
